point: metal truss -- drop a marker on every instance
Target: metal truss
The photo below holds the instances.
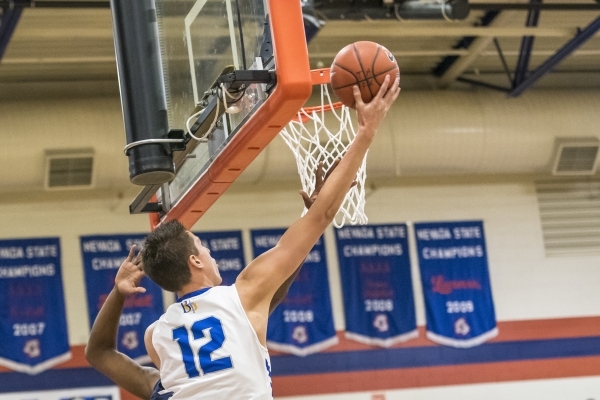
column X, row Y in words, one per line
column 8, row 22
column 523, row 78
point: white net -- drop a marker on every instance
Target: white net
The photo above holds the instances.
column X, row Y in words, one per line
column 313, row 140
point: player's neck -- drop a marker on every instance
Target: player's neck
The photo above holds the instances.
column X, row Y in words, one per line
column 198, row 282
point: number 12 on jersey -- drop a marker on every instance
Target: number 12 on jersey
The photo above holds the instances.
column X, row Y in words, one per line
column 217, row 337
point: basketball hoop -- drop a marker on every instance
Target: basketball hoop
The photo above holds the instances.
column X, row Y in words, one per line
column 313, row 140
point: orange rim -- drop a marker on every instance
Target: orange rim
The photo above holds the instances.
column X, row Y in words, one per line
column 301, row 117
column 318, row 77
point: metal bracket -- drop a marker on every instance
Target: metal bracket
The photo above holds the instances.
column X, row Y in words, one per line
column 240, row 79
column 141, row 202
column 175, row 141
column 235, row 82
column 150, row 141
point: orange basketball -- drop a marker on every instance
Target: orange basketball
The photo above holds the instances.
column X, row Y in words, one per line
column 365, row 64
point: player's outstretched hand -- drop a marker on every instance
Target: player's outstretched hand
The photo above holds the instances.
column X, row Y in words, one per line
column 371, row 114
column 130, row 274
column 319, row 182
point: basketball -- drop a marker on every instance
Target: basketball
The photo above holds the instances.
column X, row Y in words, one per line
column 365, row 64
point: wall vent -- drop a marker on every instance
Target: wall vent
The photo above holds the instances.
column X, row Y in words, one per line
column 577, row 158
column 570, row 216
column 69, row 169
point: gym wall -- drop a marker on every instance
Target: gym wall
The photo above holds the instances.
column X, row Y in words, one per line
column 541, row 301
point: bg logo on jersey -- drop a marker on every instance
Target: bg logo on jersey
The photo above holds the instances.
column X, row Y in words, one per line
column 188, row 306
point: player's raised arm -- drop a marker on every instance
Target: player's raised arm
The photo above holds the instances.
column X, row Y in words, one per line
column 309, row 200
column 259, row 281
column 101, row 350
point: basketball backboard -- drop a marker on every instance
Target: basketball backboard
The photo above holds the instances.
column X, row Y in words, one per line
column 246, row 55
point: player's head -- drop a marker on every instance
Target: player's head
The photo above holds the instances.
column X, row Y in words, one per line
column 202, row 262
column 173, row 256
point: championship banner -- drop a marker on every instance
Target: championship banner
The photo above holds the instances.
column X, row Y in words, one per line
column 303, row 323
column 228, row 250
column 33, row 324
column 102, row 257
column 99, row 393
column 456, row 283
column 376, row 284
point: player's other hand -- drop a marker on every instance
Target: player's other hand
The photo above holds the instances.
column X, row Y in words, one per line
column 371, row 114
column 320, row 179
column 130, row 274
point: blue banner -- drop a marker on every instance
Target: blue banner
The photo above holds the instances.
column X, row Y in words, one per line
column 303, row 323
column 456, row 283
column 33, row 324
column 227, row 249
column 376, row 284
column 102, row 257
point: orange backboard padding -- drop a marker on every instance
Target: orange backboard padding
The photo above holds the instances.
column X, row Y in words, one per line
column 154, row 220
column 294, row 87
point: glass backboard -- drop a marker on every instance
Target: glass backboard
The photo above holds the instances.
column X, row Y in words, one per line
column 200, row 41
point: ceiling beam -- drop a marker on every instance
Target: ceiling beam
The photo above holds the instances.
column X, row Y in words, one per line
column 546, row 7
column 55, row 4
column 463, row 43
column 329, row 12
column 498, row 6
column 477, row 47
column 345, row 29
column 360, row 12
column 313, row 55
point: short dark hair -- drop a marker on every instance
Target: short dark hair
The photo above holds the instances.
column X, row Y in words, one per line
column 165, row 255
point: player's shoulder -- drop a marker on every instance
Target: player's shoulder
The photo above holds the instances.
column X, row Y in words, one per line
column 211, row 291
column 216, row 293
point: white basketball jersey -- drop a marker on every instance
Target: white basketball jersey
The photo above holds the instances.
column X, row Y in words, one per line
column 209, row 350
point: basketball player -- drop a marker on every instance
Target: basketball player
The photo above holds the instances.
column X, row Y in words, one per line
column 212, row 342
column 101, row 352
